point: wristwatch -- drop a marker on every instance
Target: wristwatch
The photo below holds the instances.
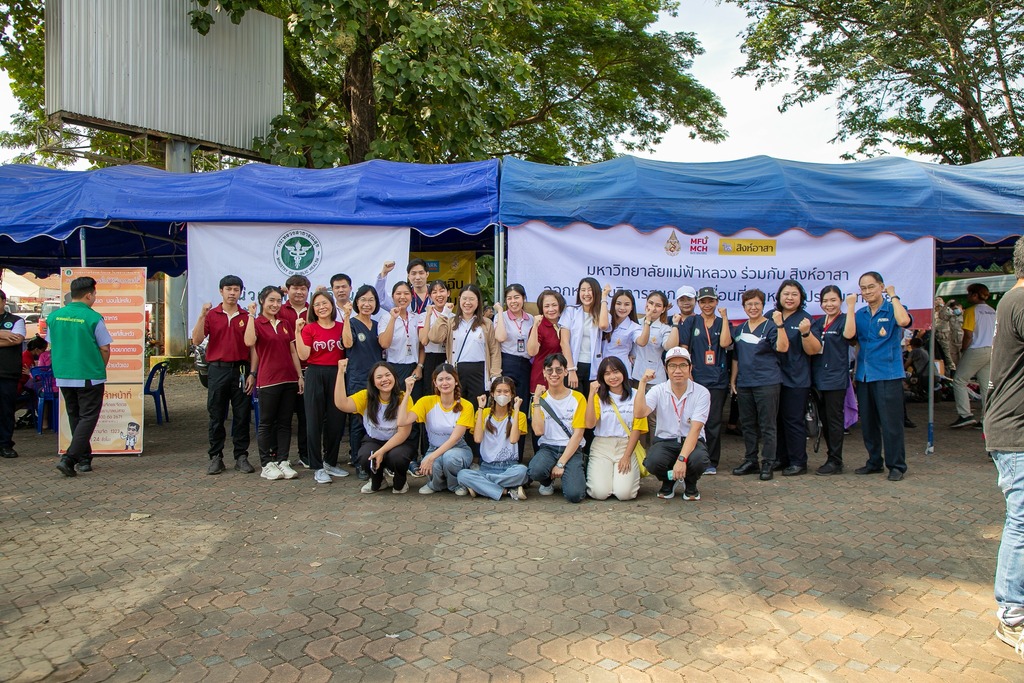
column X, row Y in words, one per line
column 805, row 335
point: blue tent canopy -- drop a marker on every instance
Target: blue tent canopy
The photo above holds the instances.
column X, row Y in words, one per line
column 138, row 214
column 885, row 195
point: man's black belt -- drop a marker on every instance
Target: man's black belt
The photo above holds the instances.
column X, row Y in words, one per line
column 227, row 363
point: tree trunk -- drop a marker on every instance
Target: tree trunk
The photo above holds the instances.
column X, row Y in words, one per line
column 360, row 102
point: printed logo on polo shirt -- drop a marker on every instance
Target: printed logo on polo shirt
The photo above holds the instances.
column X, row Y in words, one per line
column 297, row 252
column 8, row 325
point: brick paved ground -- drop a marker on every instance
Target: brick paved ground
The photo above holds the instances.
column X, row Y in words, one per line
column 237, row 578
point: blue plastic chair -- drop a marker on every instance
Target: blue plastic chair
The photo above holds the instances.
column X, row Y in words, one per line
column 46, row 391
column 159, row 397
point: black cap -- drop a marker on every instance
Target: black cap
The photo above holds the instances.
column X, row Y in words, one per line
column 707, row 293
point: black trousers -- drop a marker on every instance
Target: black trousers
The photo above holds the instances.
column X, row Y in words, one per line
column 713, row 427
column 325, row 424
column 759, row 411
column 830, row 410
column 661, row 457
column 300, row 412
column 274, row 434
column 225, row 385
column 403, row 371
column 8, row 400
column 397, row 460
column 84, row 405
column 792, row 426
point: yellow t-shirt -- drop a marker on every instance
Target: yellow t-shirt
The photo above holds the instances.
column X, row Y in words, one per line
column 496, row 447
column 440, row 423
column 608, row 422
column 571, row 410
column 384, row 429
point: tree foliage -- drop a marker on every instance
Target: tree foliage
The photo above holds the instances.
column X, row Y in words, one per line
column 940, row 78
column 444, row 80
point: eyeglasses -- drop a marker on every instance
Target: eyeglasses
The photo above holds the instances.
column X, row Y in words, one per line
column 868, row 288
column 677, row 366
column 554, row 371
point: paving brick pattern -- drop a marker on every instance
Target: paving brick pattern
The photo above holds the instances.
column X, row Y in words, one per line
column 237, row 578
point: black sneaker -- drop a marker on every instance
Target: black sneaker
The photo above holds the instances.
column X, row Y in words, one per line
column 8, row 453
column 216, row 466
column 362, row 475
column 895, row 475
column 829, row 468
column 84, row 467
column 691, row 494
column 243, row 465
column 964, row 422
column 667, row 490
column 67, row 467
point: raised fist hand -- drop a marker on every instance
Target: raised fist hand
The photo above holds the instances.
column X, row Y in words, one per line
column 387, row 267
column 206, row 308
column 342, row 366
column 481, row 401
column 777, row 317
column 647, row 376
column 804, row 326
column 252, row 308
column 851, row 300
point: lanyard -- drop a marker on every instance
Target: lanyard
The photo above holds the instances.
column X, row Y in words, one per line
column 518, row 323
column 422, row 305
column 829, row 323
column 679, row 409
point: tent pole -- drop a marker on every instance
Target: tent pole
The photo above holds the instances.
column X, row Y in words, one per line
column 930, row 448
column 81, row 246
column 499, row 263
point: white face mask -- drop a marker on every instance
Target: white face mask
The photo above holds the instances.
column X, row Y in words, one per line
column 502, row 400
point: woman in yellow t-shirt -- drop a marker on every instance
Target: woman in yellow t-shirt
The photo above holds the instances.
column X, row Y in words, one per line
column 446, row 416
column 386, row 444
column 499, row 428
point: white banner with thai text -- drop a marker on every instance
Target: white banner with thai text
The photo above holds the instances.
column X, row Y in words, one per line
column 269, row 253
column 541, row 257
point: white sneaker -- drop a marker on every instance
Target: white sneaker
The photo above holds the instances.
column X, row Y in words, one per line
column 368, row 488
column 286, row 470
column 271, row 471
column 547, row 490
column 404, row 489
column 461, row 491
column 335, row 471
column 321, row 477
column 426, row 490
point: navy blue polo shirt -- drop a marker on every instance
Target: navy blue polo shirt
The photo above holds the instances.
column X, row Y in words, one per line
column 795, row 364
column 880, row 338
column 830, row 369
column 695, row 337
column 756, row 355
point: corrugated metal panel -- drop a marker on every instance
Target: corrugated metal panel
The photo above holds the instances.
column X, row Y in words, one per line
column 140, row 64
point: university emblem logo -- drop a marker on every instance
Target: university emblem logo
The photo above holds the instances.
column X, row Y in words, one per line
column 297, row 252
column 672, row 246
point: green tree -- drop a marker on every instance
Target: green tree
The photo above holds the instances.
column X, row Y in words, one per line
column 439, row 80
column 940, row 78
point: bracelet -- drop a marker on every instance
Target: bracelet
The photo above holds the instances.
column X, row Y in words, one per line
column 572, row 369
column 780, row 327
column 895, row 296
column 805, row 336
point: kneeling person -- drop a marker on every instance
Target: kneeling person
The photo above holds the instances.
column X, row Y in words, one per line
column 681, row 406
column 559, row 417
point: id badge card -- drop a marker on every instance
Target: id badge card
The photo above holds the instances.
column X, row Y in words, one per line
column 520, row 346
column 709, row 357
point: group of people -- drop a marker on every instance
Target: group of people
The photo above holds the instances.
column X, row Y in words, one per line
column 428, row 384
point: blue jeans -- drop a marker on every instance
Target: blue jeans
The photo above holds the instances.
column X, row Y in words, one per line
column 493, row 478
column 445, row 471
column 881, row 423
column 1009, row 584
column 574, row 481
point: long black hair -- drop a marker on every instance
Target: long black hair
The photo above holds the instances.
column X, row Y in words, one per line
column 478, row 314
column 373, row 394
column 799, row 288
column 311, row 314
column 450, row 369
column 603, row 391
column 632, row 311
column 364, row 289
column 511, row 384
column 595, row 308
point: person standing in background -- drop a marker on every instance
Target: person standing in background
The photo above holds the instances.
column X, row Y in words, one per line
column 975, row 354
column 80, row 347
column 12, row 335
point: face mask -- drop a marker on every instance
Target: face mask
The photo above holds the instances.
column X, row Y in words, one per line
column 958, row 312
column 502, row 400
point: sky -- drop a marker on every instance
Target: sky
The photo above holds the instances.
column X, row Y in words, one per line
column 753, row 121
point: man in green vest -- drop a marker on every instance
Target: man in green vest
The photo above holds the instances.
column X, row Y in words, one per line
column 80, row 347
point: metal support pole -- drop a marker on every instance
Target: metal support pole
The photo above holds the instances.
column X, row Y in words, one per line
column 499, row 262
column 81, row 245
column 178, row 158
column 930, row 448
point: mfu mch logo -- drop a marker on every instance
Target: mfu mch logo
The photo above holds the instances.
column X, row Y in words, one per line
column 699, row 245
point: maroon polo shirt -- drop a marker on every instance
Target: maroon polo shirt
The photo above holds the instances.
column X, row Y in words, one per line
column 227, row 337
column 274, row 351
